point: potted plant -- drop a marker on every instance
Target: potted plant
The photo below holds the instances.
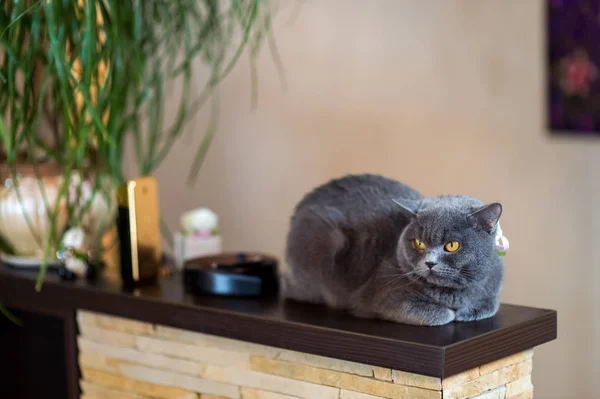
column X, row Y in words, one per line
column 79, row 80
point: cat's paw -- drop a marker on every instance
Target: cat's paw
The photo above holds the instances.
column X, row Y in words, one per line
column 419, row 313
column 439, row 318
column 472, row 314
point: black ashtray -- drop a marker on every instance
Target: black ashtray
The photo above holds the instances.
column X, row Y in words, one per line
column 238, row 275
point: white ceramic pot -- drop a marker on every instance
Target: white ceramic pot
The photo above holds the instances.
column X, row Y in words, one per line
column 25, row 218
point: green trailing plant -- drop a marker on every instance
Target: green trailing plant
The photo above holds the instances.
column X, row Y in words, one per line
column 10, row 316
column 82, row 80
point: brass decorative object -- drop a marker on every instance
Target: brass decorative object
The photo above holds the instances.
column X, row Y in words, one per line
column 139, row 231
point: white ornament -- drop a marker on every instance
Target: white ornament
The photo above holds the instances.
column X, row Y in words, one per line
column 76, row 238
column 76, row 265
column 199, row 220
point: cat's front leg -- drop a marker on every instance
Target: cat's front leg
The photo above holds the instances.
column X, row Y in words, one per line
column 420, row 313
column 478, row 311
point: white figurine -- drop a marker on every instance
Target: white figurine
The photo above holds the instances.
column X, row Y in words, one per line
column 201, row 221
column 75, row 244
column 198, row 236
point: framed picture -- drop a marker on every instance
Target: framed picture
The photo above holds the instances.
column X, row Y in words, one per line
column 573, row 50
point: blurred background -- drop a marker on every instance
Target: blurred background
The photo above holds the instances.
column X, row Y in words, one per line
column 446, row 96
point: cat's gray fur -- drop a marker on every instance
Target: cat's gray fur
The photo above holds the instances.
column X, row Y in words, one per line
column 351, row 246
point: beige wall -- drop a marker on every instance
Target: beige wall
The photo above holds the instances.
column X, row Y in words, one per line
column 447, row 96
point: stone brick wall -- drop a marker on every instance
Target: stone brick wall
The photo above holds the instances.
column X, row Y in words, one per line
column 121, row 358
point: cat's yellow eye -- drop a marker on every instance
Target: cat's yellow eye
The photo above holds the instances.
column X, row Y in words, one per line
column 419, row 245
column 452, row 246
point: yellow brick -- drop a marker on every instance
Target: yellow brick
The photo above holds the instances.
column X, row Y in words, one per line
column 497, row 393
column 523, row 395
column 270, row 383
column 86, row 318
column 507, row 361
column 203, row 354
column 356, row 395
column 249, row 393
column 382, row 374
column 98, row 362
column 134, row 356
column 489, row 381
column 114, row 323
column 211, row 341
column 107, row 336
column 416, row 380
column 339, row 380
column 522, row 385
column 94, row 391
column 128, row 385
column 325, row 362
column 460, row 379
column 182, row 381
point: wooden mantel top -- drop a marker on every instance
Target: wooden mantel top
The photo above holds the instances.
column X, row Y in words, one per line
column 435, row 351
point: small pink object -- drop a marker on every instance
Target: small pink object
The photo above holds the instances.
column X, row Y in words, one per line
column 502, row 244
column 202, row 234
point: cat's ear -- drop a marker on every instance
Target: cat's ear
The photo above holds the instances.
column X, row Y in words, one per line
column 408, row 208
column 487, row 216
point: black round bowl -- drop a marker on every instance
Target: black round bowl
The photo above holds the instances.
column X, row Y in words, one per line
column 238, row 275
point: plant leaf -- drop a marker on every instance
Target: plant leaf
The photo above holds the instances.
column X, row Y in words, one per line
column 10, row 316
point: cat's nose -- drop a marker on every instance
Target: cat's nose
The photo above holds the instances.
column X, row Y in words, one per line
column 430, row 264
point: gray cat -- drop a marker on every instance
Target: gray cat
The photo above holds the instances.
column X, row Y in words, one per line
column 378, row 248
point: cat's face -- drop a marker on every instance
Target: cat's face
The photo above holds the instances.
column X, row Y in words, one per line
column 449, row 241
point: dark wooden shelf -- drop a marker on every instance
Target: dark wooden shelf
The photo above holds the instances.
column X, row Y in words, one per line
column 434, row 351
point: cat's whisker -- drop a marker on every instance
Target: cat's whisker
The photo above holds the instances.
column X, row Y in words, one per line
column 399, row 277
column 400, row 274
column 406, row 285
column 394, row 280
